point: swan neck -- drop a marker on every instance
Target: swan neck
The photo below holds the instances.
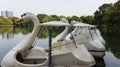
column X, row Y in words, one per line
column 66, row 30
column 64, row 33
column 74, row 30
column 35, row 21
column 61, row 36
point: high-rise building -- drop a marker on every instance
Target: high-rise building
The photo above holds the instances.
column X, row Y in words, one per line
column 7, row 13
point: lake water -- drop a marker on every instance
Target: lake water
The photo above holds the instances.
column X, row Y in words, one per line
column 10, row 36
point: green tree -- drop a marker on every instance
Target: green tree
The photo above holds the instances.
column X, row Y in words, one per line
column 13, row 19
column 87, row 19
column 75, row 18
column 47, row 18
column 115, row 15
column 54, row 17
column 102, row 15
column 40, row 17
column 62, row 16
column 2, row 20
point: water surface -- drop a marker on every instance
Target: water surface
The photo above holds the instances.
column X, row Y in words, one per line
column 10, row 36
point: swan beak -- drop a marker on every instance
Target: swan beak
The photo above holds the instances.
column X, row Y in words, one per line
column 20, row 20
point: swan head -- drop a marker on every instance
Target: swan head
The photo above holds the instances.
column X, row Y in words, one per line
column 64, row 20
column 28, row 16
column 74, row 22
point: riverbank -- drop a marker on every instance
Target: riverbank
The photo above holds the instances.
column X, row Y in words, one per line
column 6, row 25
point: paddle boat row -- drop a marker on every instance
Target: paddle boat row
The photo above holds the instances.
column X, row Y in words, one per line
column 94, row 42
column 24, row 54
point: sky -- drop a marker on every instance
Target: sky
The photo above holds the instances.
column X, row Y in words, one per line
column 53, row 7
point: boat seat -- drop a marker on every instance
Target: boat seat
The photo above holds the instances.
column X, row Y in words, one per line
column 34, row 61
column 36, row 53
column 35, row 56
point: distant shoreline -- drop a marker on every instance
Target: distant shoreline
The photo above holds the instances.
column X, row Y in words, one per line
column 6, row 25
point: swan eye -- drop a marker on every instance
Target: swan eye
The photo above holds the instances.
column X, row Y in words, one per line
column 23, row 15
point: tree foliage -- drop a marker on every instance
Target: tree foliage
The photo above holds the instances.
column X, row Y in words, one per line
column 102, row 15
column 115, row 15
column 108, row 14
column 5, row 21
column 87, row 19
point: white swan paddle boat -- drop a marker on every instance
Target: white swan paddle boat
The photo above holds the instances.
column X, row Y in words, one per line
column 94, row 41
column 80, row 50
column 24, row 54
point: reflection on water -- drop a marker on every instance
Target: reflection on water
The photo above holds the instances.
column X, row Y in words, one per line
column 7, row 32
column 99, row 63
column 7, row 35
column 10, row 36
column 111, row 60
